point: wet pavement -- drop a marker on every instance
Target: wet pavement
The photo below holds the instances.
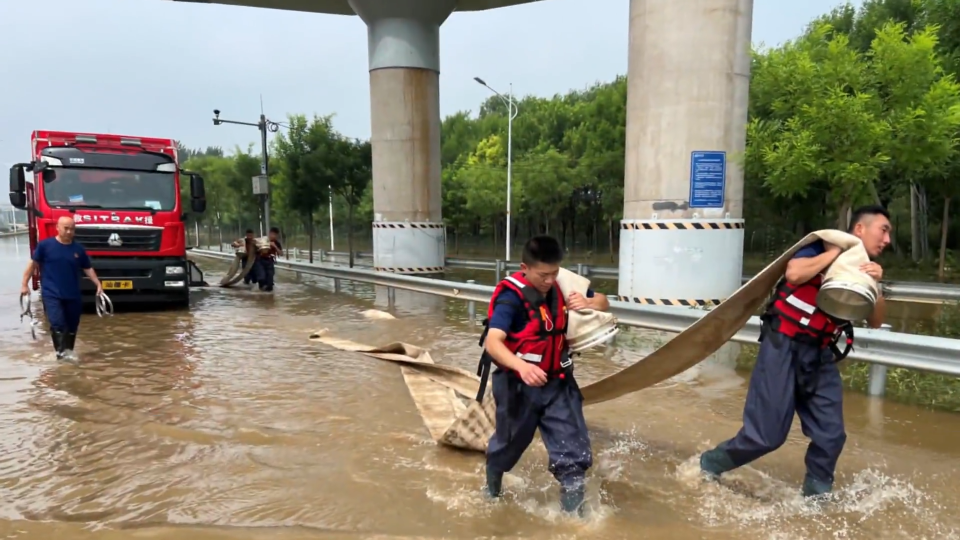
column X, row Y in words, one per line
column 224, row 422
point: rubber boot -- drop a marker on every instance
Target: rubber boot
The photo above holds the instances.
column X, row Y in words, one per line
column 494, row 483
column 571, row 499
column 69, row 341
column 715, row 462
column 57, row 337
column 815, row 488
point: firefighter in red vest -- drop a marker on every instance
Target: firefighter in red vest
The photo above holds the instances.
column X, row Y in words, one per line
column 796, row 369
column 533, row 382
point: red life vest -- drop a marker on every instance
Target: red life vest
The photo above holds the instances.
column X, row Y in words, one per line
column 794, row 313
column 542, row 341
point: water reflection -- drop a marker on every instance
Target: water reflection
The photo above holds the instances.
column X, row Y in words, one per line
column 225, row 423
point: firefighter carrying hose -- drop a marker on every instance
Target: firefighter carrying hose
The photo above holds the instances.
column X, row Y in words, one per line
column 533, row 384
column 796, row 367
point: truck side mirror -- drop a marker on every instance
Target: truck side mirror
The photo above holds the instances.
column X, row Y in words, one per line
column 198, row 196
column 18, row 181
column 18, row 186
column 196, row 187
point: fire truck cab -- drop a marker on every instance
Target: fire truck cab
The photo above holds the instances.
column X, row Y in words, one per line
column 124, row 193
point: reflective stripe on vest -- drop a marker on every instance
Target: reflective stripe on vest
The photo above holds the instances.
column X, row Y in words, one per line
column 795, row 306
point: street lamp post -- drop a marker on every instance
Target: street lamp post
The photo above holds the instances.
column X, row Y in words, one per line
column 511, row 114
column 262, row 188
column 331, row 216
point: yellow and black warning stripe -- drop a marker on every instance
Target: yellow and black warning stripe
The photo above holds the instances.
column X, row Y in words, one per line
column 416, row 270
column 694, row 225
column 669, row 302
column 393, row 225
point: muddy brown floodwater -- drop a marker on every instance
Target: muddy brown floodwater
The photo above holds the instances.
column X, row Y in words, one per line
column 224, row 422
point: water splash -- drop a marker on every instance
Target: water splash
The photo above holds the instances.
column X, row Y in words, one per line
column 864, row 507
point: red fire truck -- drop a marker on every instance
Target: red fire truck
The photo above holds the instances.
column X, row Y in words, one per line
column 124, row 195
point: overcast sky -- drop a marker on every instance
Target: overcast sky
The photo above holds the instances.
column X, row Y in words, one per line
column 158, row 68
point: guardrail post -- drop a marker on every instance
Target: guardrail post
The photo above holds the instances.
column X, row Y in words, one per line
column 391, row 297
column 580, row 269
column 336, row 285
column 472, row 306
column 323, row 255
column 496, row 270
column 877, row 382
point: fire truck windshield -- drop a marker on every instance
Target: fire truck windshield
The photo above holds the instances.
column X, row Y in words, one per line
column 111, row 189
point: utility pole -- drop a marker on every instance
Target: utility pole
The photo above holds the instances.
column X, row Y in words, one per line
column 263, row 171
column 261, row 184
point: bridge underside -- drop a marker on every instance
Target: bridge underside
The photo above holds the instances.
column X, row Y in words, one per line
column 342, row 7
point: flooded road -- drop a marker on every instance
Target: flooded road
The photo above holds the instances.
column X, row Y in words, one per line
column 224, row 422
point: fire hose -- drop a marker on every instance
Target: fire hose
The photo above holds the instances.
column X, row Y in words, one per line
column 242, row 264
column 103, row 303
column 25, row 311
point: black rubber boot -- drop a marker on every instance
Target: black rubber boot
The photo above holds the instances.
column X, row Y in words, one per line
column 715, row 462
column 69, row 341
column 816, row 488
column 571, row 499
column 494, row 483
column 57, row 338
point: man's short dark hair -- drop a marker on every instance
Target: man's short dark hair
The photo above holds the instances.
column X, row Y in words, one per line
column 249, row 231
column 275, row 230
column 542, row 249
column 867, row 211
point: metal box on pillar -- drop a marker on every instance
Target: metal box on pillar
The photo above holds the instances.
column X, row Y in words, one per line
column 409, row 247
column 261, row 184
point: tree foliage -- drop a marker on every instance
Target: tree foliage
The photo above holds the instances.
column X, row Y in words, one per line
column 863, row 107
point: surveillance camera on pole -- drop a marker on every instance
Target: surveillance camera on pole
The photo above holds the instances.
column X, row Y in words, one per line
column 261, row 186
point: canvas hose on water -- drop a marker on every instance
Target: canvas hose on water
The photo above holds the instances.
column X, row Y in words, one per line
column 234, row 275
column 443, row 394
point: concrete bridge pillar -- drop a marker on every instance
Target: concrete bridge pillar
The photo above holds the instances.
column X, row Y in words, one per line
column 404, row 56
column 681, row 238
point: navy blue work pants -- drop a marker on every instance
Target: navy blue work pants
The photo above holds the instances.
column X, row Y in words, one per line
column 792, row 376
column 63, row 314
column 268, row 270
column 557, row 409
column 255, row 275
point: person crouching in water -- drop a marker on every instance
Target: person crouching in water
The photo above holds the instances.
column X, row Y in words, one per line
column 268, row 260
column 61, row 261
column 796, row 367
column 533, row 384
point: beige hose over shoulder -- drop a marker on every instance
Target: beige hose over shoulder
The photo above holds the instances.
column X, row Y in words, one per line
column 443, row 394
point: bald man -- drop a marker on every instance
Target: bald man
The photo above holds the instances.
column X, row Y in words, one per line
column 61, row 261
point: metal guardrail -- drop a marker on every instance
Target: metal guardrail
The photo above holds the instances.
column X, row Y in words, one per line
column 879, row 347
column 891, row 289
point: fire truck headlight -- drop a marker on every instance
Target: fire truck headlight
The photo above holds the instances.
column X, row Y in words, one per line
column 174, row 270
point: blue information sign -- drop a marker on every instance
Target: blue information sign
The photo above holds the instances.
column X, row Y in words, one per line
column 708, row 173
